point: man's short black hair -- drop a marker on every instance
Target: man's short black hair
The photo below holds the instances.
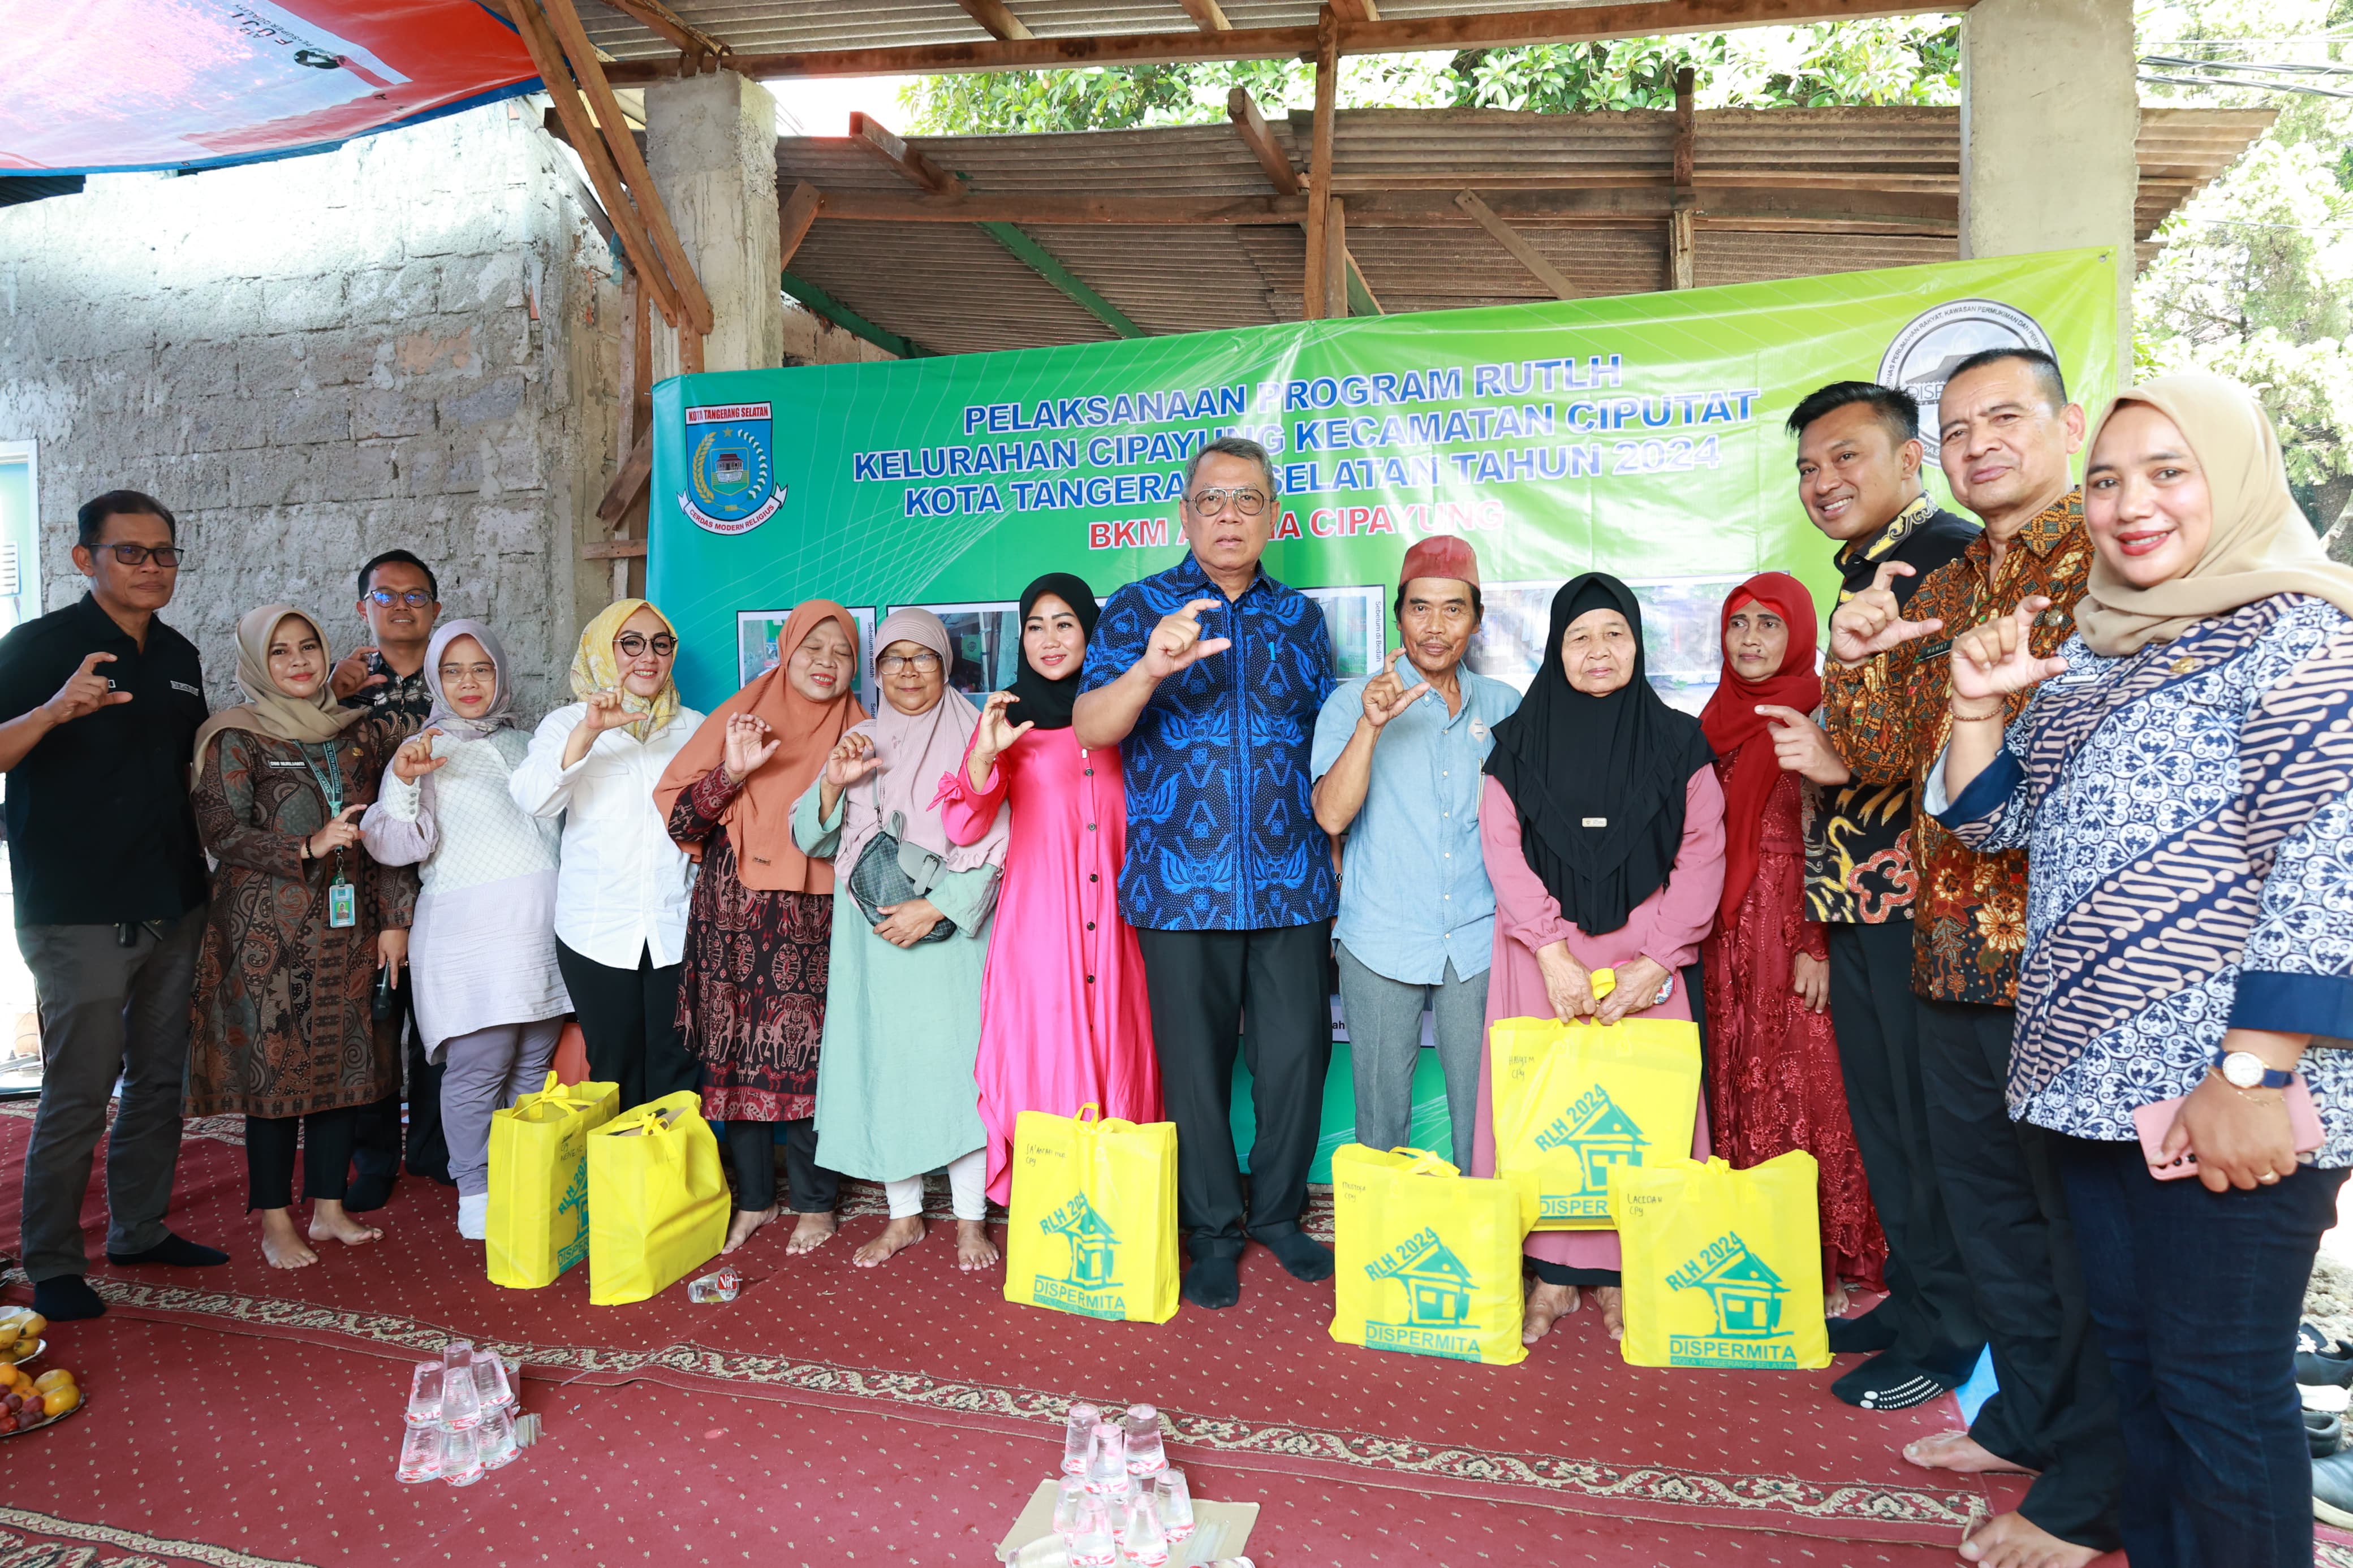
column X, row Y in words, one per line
column 1478, row 605
column 123, row 503
column 2045, row 368
column 401, row 558
column 1897, row 409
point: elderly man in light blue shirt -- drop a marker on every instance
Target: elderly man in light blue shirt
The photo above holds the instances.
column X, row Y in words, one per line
column 1398, row 765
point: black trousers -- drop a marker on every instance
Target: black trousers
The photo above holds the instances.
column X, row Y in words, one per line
column 376, row 1143
column 1877, row 1019
column 269, row 1156
column 629, row 1020
column 751, row 1149
column 1202, row 984
column 2056, row 1410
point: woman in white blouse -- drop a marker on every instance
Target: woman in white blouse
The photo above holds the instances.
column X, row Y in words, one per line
column 621, row 888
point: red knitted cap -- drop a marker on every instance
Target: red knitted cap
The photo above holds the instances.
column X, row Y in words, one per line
column 1440, row 555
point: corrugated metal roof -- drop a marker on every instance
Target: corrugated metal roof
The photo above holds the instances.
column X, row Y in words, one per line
column 950, row 288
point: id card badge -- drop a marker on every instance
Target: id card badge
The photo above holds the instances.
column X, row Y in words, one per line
column 343, row 904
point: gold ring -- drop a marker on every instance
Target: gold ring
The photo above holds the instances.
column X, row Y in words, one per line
column 2268, row 1177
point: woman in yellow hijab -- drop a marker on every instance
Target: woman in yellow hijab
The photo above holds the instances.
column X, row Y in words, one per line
column 621, row 884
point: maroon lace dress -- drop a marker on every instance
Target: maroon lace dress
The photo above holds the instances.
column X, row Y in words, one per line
column 1773, row 1081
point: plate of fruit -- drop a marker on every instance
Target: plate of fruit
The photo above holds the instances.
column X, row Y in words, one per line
column 29, row 1404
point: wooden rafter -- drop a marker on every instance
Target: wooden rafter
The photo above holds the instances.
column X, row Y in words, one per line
column 999, row 22
column 1315, row 303
column 693, row 42
column 1335, row 258
column 1259, row 137
column 1681, row 246
column 877, row 139
column 1355, row 10
column 1513, row 240
column 628, row 481
column 1208, row 15
column 794, row 214
column 1493, row 29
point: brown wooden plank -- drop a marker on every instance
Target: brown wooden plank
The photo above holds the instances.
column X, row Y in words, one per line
column 630, row 477
column 1335, row 259
column 1608, row 208
column 613, row 550
column 1242, row 109
column 1681, row 245
column 1355, row 10
column 1316, row 301
column 994, row 18
column 795, row 214
column 1513, row 241
column 878, row 139
column 1208, row 15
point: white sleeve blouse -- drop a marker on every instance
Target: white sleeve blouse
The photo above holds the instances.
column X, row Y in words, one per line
column 621, row 884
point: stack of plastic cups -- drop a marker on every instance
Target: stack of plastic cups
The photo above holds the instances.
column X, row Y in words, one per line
column 460, row 1418
column 495, row 1435
column 420, row 1442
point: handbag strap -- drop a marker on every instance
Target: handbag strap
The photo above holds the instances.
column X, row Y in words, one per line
column 1425, row 1163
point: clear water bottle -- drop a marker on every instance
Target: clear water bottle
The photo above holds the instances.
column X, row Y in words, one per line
column 1144, row 1541
column 460, row 1406
column 420, row 1452
column 425, row 1394
column 1107, row 1460
column 461, row 1455
column 491, row 1390
column 1079, row 1437
column 495, row 1439
column 1175, row 1499
column 718, row 1286
column 1146, row 1454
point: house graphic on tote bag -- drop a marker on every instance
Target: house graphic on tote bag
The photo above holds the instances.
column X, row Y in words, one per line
column 1746, row 1292
column 1093, row 1245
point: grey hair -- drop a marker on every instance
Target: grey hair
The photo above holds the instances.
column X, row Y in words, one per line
column 1233, row 447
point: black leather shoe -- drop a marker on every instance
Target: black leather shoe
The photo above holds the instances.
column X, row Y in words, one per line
column 1868, row 1335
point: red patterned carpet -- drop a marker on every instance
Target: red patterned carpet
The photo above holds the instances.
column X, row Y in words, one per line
column 832, row 1415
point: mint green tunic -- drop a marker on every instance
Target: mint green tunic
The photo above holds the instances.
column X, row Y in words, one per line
column 895, row 1094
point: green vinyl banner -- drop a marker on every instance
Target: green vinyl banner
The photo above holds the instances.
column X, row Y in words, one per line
column 1640, row 435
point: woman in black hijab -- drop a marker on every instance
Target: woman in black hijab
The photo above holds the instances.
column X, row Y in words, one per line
column 1064, row 1019
column 1603, row 829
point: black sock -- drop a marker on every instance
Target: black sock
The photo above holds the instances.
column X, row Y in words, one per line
column 1213, row 1282
column 176, row 1250
column 66, row 1298
column 1875, row 1330
column 1884, row 1383
column 367, row 1191
column 1300, row 1255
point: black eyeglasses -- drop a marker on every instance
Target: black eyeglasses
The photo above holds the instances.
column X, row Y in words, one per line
column 631, row 645
column 415, row 599
column 167, row 556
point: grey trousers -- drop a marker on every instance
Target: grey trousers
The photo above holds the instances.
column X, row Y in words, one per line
column 483, row 1073
column 1383, row 1019
column 107, row 1012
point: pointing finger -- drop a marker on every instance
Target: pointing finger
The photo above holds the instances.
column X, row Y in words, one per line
column 1884, row 578
column 1413, row 694
column 1774, row 715
column 1203, row 649
column 1193, row 610
column 93, row 660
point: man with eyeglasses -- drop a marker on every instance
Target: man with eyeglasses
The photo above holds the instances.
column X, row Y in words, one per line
column 99, row 704
column 399, row 600
column 1209, row 677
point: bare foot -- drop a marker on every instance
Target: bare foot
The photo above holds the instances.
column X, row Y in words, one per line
column 1612, row 1300
column 2013, row 1541
column 746, row 1221
column 282, row 1244
column 1835, row 1301
column 1959, row 1451
column 813, row 1232
column 974, row 1249
column 330, row 1222
column 896, row 1237
column 1546, row 1303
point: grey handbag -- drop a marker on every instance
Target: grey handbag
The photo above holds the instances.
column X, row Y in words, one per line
column 889, row 870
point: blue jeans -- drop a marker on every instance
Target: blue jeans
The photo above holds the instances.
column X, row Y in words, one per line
column 2196, row 1297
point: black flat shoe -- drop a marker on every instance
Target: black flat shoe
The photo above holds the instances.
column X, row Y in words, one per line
column 1867, row 1335
column 366, row 1193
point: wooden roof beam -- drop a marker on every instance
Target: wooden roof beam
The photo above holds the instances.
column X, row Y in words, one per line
column 1513, row 240
column 1208, row 15
column 698, row 50
column 1927, row 211
column 877, row 139
column 999, row 23
column 1242, row 109
column 1493, row 29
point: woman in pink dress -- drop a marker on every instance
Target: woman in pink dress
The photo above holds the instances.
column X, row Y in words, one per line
column 1064, row 1019
column 1602, row 825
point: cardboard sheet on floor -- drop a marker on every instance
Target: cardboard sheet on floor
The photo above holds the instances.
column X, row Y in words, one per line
column 1219, row 1530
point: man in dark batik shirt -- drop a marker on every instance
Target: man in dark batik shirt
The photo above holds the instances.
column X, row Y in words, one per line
column 399, row 600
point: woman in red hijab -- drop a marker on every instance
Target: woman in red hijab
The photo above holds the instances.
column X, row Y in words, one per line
column 1773, row 1066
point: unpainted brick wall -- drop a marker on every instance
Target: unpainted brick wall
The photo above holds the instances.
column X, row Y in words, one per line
column 407, row 341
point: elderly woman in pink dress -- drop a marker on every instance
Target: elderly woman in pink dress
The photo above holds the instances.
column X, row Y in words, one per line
column 1064, row 1021
column 1603, row 830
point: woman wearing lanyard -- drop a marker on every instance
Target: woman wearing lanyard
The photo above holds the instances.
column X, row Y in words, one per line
column 300, row 921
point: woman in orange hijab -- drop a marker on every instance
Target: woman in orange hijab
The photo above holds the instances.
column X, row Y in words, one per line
column 752, row 998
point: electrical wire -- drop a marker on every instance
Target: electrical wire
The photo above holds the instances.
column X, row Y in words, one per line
column 2245, row 86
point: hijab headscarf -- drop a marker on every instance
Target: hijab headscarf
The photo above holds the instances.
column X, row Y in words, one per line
column 500, row 715
column 1038, row 701
column 916, row 752
column 1732, row 724
column 597, row 667
column 267, row 710
column 1599, row 782
column 2261, row 543
column 759, row 820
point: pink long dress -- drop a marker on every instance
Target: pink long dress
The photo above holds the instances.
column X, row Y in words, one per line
column 1667, row 928
column 1064, row 1019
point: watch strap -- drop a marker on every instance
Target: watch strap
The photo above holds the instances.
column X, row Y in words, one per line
column 2274, row 1078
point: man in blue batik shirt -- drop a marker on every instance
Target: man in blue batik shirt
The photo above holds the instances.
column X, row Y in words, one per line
column 1208, row 677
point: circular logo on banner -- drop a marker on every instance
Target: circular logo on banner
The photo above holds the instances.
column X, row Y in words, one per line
column 731, row 467
column 1924, row 353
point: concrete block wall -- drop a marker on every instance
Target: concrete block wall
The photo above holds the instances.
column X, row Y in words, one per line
column 408, row 342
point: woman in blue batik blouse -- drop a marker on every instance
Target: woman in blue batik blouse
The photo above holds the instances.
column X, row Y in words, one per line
column 2182, row 781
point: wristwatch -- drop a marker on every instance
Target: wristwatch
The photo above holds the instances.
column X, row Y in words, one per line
column 2244, row 1069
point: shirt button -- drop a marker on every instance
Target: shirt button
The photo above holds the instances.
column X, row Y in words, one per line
column 1090, row 980
column 1089, row 773
column 1093, row 877
column 1090, row 925
column 1091, row 827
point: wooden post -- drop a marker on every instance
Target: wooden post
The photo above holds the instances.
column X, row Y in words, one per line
column 1318, row 301
column 1335, row 259
column 1679, row 219
column 636, row 340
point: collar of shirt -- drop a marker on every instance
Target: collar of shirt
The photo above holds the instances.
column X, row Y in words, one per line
column 1857, row 565
column 2043, row 533
column 1188, row 574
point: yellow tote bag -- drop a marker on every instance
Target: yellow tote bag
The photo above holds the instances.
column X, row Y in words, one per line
column 1723, row 1268
column 1093, row 1227
column 1425, row 1259
column 539, row 1180
column 657, row 1199
column 1574, row 1102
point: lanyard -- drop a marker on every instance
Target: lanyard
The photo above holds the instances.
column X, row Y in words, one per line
column 329, row 778
column 343, row 899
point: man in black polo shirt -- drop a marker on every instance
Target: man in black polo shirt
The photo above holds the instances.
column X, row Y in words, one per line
column 100, row 703
column 1858, row 466
column 399, row 600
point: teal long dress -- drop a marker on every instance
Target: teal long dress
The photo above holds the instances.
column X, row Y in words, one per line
column 895, row 1091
